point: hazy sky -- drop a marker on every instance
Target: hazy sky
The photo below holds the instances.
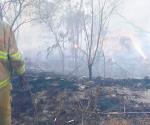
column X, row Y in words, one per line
column 136, row 12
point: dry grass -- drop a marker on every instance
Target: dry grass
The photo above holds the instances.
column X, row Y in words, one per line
column 127, row 122
column 118, row 122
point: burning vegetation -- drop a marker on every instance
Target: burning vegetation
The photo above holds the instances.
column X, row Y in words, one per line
column 62, row 100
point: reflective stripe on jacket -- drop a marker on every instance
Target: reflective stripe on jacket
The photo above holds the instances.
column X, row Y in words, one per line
column 9, row 54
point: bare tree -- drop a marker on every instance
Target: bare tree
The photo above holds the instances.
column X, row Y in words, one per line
column 49, row 13
column 74, row 25
column 95, row 28
column 15, row 12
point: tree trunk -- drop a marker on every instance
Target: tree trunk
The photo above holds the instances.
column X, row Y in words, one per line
column 76, row 61
column 1, row 14
column 90, row 71
column 82, row 122
column 63, row 63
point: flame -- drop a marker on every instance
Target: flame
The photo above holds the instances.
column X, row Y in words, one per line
column 76, row 46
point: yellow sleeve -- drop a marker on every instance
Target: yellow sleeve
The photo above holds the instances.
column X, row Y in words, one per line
column 15, row 56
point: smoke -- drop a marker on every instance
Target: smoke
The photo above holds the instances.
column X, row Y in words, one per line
column 135, row 42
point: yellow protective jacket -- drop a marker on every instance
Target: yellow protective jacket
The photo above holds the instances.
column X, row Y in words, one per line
column 9, row 55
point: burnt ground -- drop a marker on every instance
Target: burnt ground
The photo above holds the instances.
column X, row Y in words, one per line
column 63, row 100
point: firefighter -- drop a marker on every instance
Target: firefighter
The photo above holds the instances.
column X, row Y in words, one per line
column 9, row 57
